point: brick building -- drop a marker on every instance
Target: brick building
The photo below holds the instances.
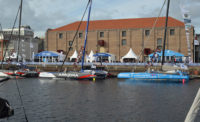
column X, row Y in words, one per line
column 118, row 36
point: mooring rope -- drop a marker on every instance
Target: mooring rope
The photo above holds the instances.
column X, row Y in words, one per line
column 21, row 100
column 2, row 84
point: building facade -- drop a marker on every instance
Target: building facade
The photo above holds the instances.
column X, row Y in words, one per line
column 27, row 44
column 197, row 48
column 118, row 36
column 41, row 46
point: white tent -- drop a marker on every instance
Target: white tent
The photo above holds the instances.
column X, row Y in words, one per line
column 129, row 55
column 74, row 56
column 13, row 56
column 1, row 36
column 90, row 58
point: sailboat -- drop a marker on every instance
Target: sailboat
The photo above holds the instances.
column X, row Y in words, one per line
column 84, row 73
column 177, row 76
column 23, row 71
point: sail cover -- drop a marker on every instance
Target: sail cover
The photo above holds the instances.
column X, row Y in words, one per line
column 130, row 54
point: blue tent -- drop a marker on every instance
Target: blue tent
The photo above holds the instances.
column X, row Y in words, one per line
column 102, row 54
column 47, row 54
column 168, row 53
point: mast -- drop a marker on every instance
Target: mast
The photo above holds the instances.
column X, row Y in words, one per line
column 2, row 40
column 165, row 34
column 20, row 17
column 86, row 33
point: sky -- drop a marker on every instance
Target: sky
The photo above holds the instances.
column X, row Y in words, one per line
column 44, row 14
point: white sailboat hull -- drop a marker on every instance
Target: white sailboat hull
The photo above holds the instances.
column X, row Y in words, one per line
column 3, row 74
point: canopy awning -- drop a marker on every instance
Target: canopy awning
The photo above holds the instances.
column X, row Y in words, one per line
column 130, row 54
column 75, row 55
column 168, row 53
column 47, row 54
column 102, row 54
column 90, row 58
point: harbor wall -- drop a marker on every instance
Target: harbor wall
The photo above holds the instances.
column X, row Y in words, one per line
column 113, row 69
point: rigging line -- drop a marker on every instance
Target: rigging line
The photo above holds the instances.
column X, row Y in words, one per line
column 10, row 37
column 153, row 27
column 2, row 84
column 16, row 81
column 20, row 18
column 74, row 36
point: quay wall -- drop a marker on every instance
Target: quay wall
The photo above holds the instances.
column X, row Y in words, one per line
column 113, row 69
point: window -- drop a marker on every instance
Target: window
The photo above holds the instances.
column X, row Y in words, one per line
column 123, row 33
column 70, row 43
column 70, row 48
column 101, row 34
column 159, row 43
column 147, row 32
column 172, row 31
column 123, row 41
column 80, row 35
column 60, row 35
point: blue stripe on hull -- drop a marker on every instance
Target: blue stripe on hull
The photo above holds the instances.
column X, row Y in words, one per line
column 152, row 76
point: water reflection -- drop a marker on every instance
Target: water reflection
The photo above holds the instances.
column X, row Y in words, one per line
column 150, row 82
column 110, row 100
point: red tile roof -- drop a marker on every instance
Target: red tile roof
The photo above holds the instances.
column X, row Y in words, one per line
column 121, row 24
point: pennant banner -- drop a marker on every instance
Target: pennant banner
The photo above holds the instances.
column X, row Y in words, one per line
column 187, row 22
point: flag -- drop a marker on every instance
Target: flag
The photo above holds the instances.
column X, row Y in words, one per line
column 186, row 21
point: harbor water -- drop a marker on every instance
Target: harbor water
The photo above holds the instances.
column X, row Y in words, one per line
column 110, row 100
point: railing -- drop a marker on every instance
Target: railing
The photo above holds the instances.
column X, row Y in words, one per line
column 108, row 64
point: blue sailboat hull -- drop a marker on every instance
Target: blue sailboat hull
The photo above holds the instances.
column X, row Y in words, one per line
column 153, row 76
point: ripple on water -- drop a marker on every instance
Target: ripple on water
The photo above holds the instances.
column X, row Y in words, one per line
column 112, row 100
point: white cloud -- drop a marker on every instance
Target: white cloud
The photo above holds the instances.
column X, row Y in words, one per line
column 44, row 14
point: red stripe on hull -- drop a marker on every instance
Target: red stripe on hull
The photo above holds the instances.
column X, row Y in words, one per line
column 86, row 76
column 8, row 73
column 20, row 73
